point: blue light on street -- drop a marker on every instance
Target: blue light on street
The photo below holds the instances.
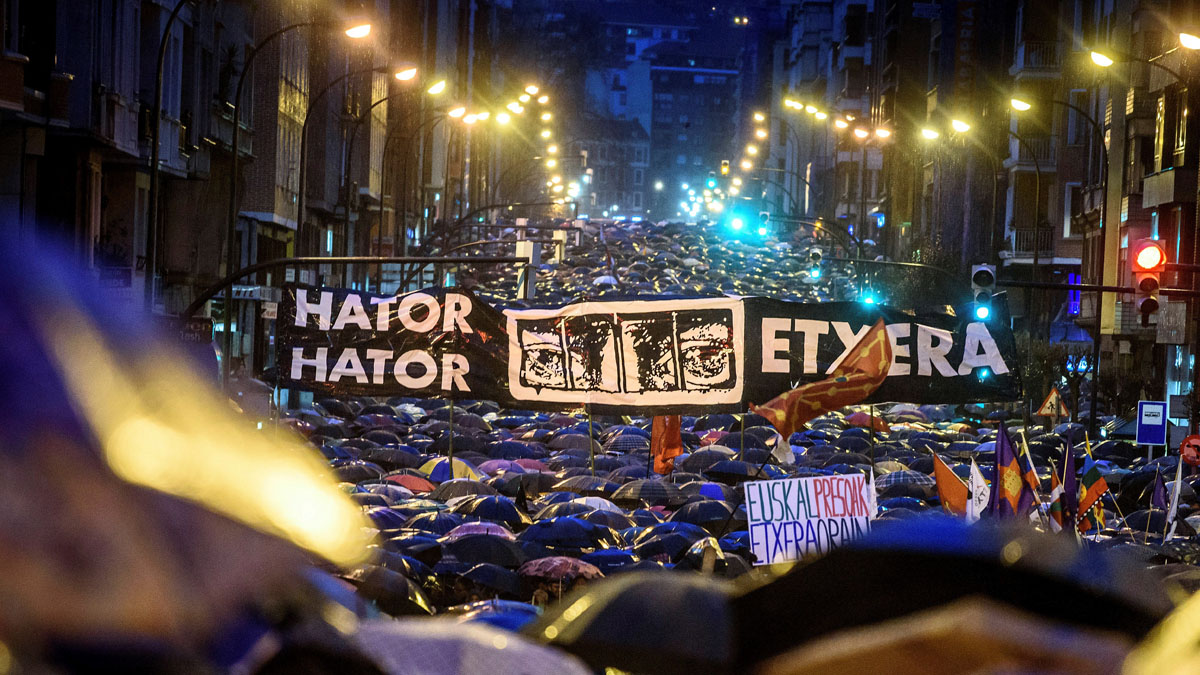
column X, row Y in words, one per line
column 736, row 223
column 982, row 312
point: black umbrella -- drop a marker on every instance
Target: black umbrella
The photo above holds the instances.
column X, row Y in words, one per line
column 732, row 472
column 354, row 471
column 648, row 491
column 495, row 509
column 392, row 592
column 682, row 624
column 667, row 540
column 437, row 522
column 613, row 519
column 566, row 534
column 484, row 548
column 712, row 515
column 391, row 459
column 561, row 509
column 534, row 483
column 702, row 459
column 461, row 488
column 496, row 578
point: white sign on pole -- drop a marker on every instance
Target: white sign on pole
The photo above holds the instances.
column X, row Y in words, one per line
column 795, row 517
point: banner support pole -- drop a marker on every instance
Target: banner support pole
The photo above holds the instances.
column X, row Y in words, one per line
column 451, row 431
column 587, row 408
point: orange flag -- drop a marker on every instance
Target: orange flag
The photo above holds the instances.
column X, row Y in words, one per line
column 856, row 377
column 666, row 442
column 952, row 491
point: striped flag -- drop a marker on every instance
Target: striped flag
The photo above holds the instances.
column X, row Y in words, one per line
column 1012, row 494
column 860, row 373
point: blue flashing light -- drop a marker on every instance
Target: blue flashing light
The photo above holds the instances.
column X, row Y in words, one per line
column 762, row 231
column 869, row 298
column 982, row 312
column 815, row 272
column 983, row 373
column 736, row 223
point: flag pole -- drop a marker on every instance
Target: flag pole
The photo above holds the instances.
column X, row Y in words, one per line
column 451, row 432
column 587, row 408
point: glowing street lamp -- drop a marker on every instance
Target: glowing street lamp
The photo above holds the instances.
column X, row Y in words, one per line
column 531, row 89
column 552, row 149
column 760, row 133
column 482, row 115
column 358, row 31
column 820, row 114
column 457, row 112
column 1020, row 105
column 545, row 133
column 436, row 88
column 543, row 99
column 406, row 74
column 841, row 123
column 960, row 126
column 503, row 118
column 883, row 132
column 546, row 117
column 551, row 163
column 1100, row 59
column 861, row 133
column 658, row 186
column 759, row 117
column 746, row 165
column 810, row 109
column 1189, row 40
column 523, row 98
column 930, row 134
column 737, row 181
column 751, row 149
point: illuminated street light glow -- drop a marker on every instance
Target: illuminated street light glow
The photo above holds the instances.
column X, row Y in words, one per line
column 683, row 186
column 960, row 126
column 503, row 118
column 556, row 179
column 820, row 114
column 751, row 149
column 470, row 119
column 1102, row 60
column 930, row 134
column 736, row 223
column 545, row 133
column 543, row 99
column 759, row 117
column 436, row 88
column 546, row 116
column 457, row 112
column 737, row 181
column 406, row 74
column 523, row 98
column 531, row 89
column 840, row 123
column 658, row 185
column 1189, row 40
column 734, row 191
column 792, row 103
column 358, row 31
column 1020, row 105
column 552, row 149
column 747, row 165
column 810, row 109
column 861, row 133
column 551, row 163
column 883, row 132
column 760, row 133
column 483, row 115
column 514, row 107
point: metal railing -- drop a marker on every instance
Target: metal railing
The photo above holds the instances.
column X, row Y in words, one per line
column 1025, row 239
column 1038, row 55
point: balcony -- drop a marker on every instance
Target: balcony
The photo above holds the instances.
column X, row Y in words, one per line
column 1023, row 242
column 1169, row 186
column 1043, row 149
column 1036, row 57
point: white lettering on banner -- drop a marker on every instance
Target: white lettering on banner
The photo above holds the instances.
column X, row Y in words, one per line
column 772, row 345
column 420, row 358
column 930, row 347
column 352, row 312
column 791, row 518
column 324, row 309
column 384, row 309
column 811, row 330
column 349, row 363
column 412, row 301
column 896, row 331
column 849, row 338
column 457, row 309
column 981, row 350
column 318, row 363
column 931, row 354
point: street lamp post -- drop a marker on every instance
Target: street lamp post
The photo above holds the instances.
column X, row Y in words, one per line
column 354, row 32
column 155, row 133
column 1021, row 106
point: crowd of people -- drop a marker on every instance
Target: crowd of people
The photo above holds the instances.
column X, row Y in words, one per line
column 524, row 541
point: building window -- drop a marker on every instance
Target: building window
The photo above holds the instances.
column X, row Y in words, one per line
column 681, row 159
column 639, row 155
column 637, row 177
column 1160, row 132
column 1181, row 124
column 623, row 98
column 1076, row 129
column 1072, row 206
column 637, row 200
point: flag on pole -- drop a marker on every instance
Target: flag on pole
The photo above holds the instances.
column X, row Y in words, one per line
column 1012, row 494
column 980, row 494
column 1056, row 501
column 1070, row 483
column 952, row 491
column 666, row 442
column 1158, row 498
column 1093, row 485
column 1173, row 509
column 858, row 376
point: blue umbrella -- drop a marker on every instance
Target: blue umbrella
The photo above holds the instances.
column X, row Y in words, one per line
column 436, row 522
column 566, row 533
column 609, row 559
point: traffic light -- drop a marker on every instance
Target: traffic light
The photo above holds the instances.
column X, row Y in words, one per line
column 763, row 218
column 1149, row 262
column 724, row 167
column 983, row 286
column 814, row 263
column 711, row 183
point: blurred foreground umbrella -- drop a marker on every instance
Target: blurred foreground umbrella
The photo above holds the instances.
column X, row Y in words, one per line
column 447, row 647
column 116, row 455
column 392, row 592
column 682, row 624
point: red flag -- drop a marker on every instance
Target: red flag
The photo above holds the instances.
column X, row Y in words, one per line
column 952, row 491
column 856, row 377
column 666, row 443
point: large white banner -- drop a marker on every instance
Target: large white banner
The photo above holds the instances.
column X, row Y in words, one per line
column 795, row 517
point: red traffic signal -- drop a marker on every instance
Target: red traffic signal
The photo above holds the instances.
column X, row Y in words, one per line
column 1149, row 259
